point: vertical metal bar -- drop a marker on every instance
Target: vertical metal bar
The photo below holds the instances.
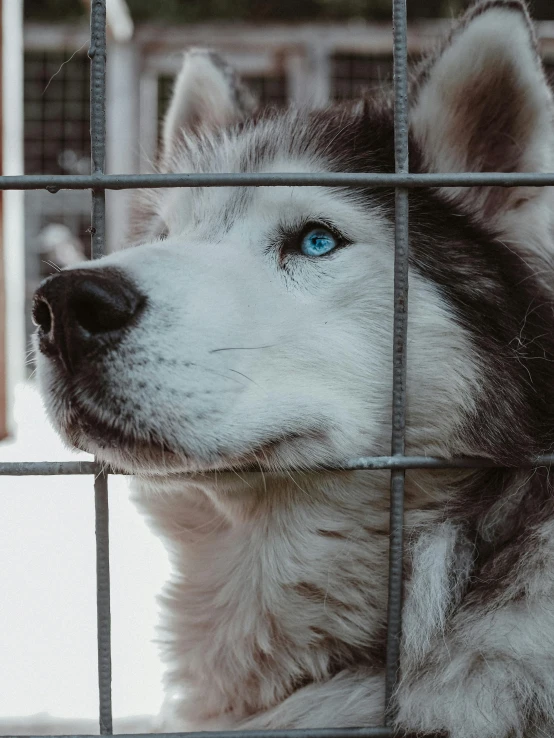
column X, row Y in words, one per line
column 97, row 54
column 103, row 602
column 401, row 234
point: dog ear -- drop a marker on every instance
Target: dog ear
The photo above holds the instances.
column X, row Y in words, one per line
column 482, row 104
column 208, row 94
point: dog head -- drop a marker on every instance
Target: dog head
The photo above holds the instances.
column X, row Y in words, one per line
column 254, row 324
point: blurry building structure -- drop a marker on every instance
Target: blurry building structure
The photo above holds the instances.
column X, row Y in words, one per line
column 303, row 64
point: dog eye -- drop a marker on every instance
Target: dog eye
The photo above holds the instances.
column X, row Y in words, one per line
column 163, row 235
column 318, row 241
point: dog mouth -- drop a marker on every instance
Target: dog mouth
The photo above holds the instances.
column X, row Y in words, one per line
column 147, row 453
column 100, row 436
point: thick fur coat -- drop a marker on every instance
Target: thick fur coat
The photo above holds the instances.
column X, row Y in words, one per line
column 243, row 350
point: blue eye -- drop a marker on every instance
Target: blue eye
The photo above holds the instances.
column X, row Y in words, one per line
column 317, row 242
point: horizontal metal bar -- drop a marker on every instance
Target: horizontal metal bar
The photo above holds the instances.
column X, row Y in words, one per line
column 364, row 463
column 374, row 463
column 380, row 732
column 48, row 468
column 54, row 183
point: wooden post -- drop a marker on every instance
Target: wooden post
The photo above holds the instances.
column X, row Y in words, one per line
column 12, row 312
column 122, row 134
column 3, row 374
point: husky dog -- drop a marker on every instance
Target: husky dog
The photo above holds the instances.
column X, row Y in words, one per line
column 252, row 326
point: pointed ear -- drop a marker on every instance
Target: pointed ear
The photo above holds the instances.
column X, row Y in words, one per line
column 208, row 94
column 482, row 104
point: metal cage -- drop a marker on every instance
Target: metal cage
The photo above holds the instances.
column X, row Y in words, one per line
column 401, row 180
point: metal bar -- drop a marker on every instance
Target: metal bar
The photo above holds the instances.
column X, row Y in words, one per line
column 53, row 183
column 103, row 615
column 364, row 463
column 401, row 249
column 48, row 468
column 378, row 732
column 97, row 54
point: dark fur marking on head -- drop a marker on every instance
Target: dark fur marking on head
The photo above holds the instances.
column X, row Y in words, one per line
column 496, row 298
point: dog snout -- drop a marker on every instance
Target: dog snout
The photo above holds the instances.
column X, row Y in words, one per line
column 82, row 312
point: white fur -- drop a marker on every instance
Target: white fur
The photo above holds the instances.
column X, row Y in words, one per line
column 431, row 597
column 493, row 667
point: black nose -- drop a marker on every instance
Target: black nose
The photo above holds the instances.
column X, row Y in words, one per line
column 80, row 312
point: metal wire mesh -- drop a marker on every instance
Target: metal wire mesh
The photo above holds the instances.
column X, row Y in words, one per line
column 57, row 103
column 402, row 181
column 56, row 100
column 353, row 74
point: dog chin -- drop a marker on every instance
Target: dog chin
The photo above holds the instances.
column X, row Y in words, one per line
column 153, row 457
column 137, row 460
column 138, row 456
column 154, row 460
column 132, row 456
